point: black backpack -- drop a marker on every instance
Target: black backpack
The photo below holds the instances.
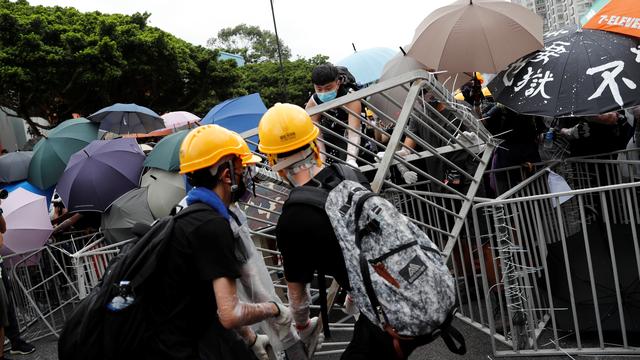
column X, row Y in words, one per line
column 95, row 332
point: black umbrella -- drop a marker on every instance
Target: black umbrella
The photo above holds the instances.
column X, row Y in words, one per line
column 584, row 72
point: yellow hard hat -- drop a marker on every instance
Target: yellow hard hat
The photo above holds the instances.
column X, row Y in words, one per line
column 284, row 128
column 369, row 113
column 206, row 145
column 248, row 158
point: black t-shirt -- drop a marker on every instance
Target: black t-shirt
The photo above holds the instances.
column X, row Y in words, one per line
column 307, row 242
column 184, row 307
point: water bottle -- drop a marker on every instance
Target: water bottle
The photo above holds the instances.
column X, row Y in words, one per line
column 124, row 298
column 548, row 139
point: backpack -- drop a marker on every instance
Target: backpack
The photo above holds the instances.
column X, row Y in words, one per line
column 398, row 277
column 95, row 332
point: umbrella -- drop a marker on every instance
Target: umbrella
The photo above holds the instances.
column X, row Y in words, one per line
column 51, row 154
column 128, row 209
column 100, row 173
column 178, row 119
column 619, row 16
column 584, row 72
column 47, row 193
column 127, row 118
column 166, row 154
column 239, row 114
column 166, row 189
column 476, row 35
column 597, row 5
column 28, row 224
column 15, row 166
column 401, row 64
column 366, row 65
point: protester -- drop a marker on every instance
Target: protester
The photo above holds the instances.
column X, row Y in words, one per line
column 304, row 232
column 328, row 85
column 196, row 309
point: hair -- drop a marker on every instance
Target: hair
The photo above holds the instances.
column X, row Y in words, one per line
column 204, row 177
column 324, row 74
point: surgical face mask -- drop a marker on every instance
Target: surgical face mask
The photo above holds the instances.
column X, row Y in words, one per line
column 327, row 96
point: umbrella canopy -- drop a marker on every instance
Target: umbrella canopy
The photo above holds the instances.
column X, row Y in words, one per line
column 619, row 16
column 176, row 119
column 128, row 209
column 166, row 154
column 100, row 173
column 239, row 114
column 15, row 166
column 597, row 5
column 47, row 193
column 28, row 224
column 476, row 35
column 367, row 65
column 166, row 189
column 584, row 72
column 127, row 118
column 51, row 154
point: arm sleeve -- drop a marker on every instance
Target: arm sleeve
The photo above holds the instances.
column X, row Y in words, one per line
column 214, row 250
column 296, row 236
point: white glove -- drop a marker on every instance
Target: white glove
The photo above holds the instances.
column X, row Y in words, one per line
column 352, row 162
column 349, row 306
column 282, row 322
column 410, row 177
column 471, row 141
column 309, row 332
column 579, row 131
column 259, row 347
column 379, row 156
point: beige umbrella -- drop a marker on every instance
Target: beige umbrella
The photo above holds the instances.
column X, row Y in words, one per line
column 476, row 35
column 166, row 189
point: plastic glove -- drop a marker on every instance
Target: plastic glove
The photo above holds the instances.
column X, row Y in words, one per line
column 349, row 306
column 282, row 322
column 579, row 131
column 352, row 162
column 471, row 141
column 309, row 332
column 410, row 177
column 379, row 156
column 259, row 347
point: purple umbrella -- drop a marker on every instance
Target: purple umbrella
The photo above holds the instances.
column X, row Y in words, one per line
column 28, row 224
column 100, row 173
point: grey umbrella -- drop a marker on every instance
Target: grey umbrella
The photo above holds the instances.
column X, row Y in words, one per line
column 128, row 209
column 166, row 189
column 15, row 166
column 127, row 119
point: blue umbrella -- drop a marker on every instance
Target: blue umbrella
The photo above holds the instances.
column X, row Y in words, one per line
column 127, row 119
column 100, row 173
column 366, row 65
column 239, row 114
column 47, row 193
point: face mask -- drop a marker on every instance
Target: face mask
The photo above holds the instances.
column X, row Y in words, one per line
column 327, row 96
column 246, row 188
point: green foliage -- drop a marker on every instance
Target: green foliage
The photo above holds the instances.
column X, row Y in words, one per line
column 55, row 61
column 254, row 44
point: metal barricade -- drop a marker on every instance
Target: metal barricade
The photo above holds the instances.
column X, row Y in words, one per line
column 561, row 273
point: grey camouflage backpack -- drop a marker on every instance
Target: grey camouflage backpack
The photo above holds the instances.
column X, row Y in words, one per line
column 398, row 277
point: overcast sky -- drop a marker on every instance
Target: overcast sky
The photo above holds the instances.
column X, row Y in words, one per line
column 308, row 27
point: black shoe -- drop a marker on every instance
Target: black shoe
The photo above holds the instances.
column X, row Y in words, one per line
column 21, row 347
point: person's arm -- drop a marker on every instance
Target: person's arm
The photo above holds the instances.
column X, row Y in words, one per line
column 353, row 136
column 299, row 302
column 233, row 313
column 3, row 225
column 316, row 120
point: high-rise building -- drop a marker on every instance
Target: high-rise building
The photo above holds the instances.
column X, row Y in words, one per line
column 557, row 14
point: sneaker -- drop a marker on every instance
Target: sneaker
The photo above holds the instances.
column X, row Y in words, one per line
column 21, row 347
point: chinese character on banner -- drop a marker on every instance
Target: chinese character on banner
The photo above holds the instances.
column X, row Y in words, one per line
column 636, row 51
column 609, row 72
column 537, row 82
column 555, row 33
column 512, row 70
column 555, row 49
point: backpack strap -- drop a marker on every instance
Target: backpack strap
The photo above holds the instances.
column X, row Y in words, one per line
column 316, row 197
column 322, row 296
column 451, row 336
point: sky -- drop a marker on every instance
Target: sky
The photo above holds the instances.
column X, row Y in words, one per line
column 308, row 27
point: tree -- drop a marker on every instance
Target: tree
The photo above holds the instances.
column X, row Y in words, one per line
column 254, row 44
column 56, row 61
column 265, row 78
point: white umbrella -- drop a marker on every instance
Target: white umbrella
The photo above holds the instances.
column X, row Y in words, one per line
column 166, row 189
column 476, row 35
